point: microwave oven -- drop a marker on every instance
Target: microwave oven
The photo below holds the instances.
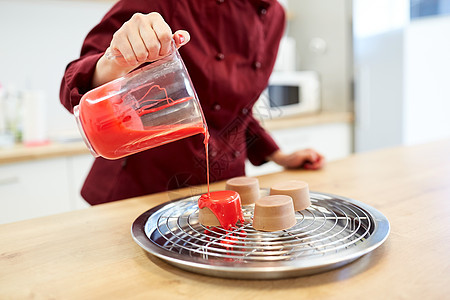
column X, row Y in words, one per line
column 289, row 93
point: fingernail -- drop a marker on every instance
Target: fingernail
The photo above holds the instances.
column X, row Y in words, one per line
column 182, row 39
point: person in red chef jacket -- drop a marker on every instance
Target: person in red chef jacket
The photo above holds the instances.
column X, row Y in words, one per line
column 229, row 48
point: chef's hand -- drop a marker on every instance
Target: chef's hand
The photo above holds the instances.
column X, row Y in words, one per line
column 143, row 38
column 308, row 159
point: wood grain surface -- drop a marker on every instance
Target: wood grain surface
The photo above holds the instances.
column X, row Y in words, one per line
column 90, row 254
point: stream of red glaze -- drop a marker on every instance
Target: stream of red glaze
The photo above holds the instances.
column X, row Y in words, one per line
column 206, row 141
column 115, row 130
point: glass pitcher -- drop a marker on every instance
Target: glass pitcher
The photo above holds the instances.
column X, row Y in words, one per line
column 149, row 107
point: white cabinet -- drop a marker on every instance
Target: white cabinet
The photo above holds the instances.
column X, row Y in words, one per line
column 78, row 168
column 333, row 140
column 42, row 187
column 33, row 189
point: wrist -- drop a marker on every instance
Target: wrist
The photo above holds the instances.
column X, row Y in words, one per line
column 107, row 70
column 277, row 157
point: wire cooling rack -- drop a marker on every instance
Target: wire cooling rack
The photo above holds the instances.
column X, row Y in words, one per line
column 332, row 232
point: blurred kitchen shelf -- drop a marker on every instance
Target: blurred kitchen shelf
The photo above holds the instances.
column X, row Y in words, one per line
column 20, row 152
column 307, row 120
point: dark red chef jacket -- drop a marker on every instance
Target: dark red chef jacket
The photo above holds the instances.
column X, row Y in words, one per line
column 229, row 58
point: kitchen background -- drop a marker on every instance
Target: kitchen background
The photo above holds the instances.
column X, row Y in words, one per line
column 383, row 68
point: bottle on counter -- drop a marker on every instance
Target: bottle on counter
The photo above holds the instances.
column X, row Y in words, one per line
column 10, row 117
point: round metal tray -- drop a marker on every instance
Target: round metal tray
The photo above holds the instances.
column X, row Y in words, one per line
column 332, row 232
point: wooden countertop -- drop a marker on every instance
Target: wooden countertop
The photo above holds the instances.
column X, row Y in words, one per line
column 20, row 153
column 90, row 254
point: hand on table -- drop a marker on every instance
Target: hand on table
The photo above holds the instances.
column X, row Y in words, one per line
column 307, row 159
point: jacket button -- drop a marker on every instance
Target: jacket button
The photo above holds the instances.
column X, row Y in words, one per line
column 256, row 65
column 263, row 11
column 213, row 153
column 220, row 56
column 236, row 154
column 220, row 1
column 217, row 107
column 244, row 111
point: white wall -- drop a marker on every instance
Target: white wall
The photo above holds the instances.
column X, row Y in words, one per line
column 38, row 40
column 402, row 71
column 427, row 76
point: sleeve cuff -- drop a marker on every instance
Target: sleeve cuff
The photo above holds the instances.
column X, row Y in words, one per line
column 260, row 144
column 78, row 80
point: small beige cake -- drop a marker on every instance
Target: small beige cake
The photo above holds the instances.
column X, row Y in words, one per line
column 298, row 190
column 274, row 213
column 207, row 218
column 246, row 187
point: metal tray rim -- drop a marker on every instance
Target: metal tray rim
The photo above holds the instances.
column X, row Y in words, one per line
column 265, row 270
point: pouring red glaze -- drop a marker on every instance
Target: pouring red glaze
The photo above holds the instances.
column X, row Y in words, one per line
column 115, row 130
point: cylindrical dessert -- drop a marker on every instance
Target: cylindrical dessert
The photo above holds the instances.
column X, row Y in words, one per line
column 246, row 187
column 274, row 213
column 298, row 190
column 220, row 208
column 207, row 218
